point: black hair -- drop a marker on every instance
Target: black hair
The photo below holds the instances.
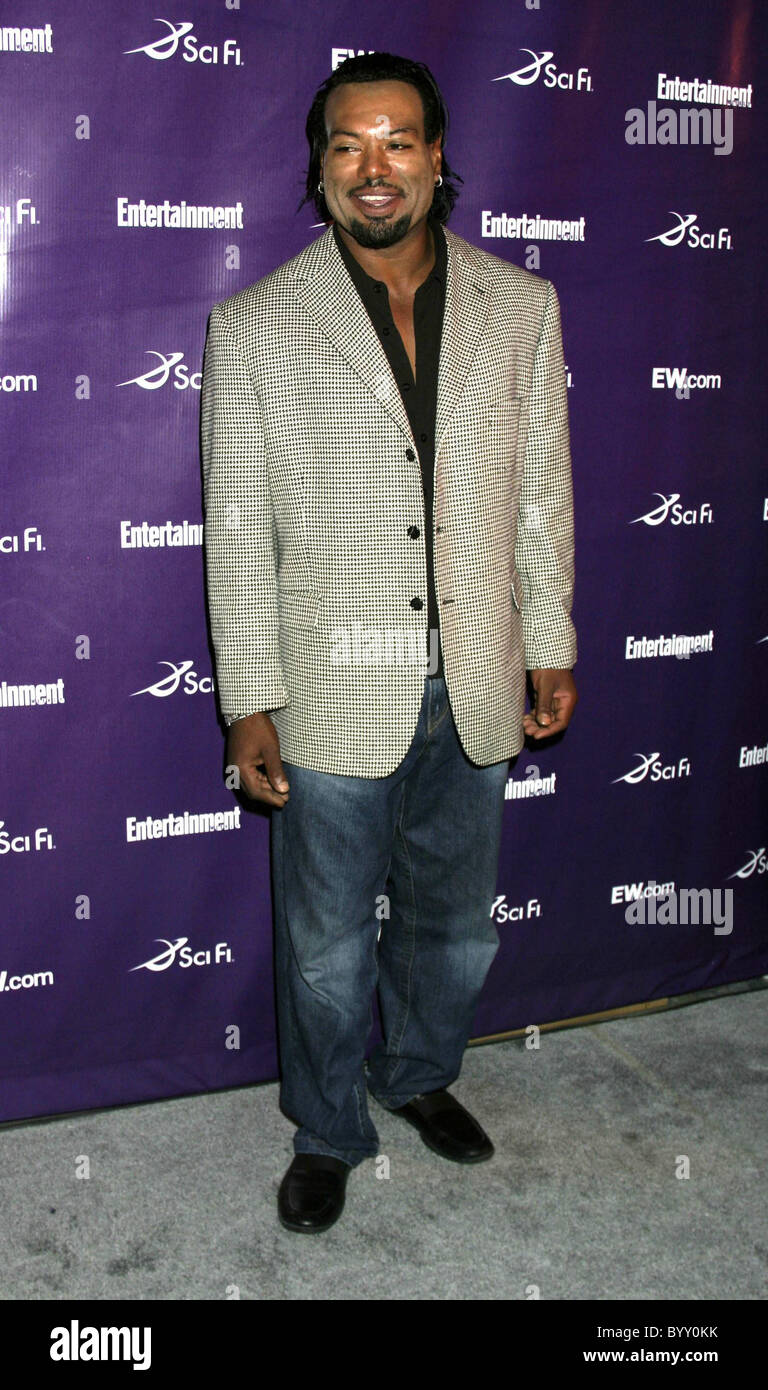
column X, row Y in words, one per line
column 381, row 67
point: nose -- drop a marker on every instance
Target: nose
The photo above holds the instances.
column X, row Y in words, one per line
column 373, row 162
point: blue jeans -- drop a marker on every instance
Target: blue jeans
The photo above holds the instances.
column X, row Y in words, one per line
column 387, row 880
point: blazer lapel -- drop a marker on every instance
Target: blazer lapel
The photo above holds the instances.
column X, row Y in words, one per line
column 325, row 289
column 467, row 305
column 328, row 294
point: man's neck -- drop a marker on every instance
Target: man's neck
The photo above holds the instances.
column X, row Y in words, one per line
column 403, row 266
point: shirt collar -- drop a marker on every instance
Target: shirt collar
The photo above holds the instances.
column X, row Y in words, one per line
column 438, row 271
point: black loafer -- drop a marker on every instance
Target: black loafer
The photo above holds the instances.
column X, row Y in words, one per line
column 447, row 1128
column 311, row 1195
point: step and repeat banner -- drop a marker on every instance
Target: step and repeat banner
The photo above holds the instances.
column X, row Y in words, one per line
column 153, row 161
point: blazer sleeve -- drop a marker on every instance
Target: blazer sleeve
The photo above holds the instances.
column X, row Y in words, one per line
column 544, row 548
column 239, row 533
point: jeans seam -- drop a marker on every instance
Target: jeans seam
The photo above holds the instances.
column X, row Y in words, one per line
column 400, row 1031
column 297, row 1036
column 361, row 1107
column 433, row 727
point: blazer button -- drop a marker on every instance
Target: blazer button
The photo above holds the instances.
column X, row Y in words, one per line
column 416, row 603
column 414, row 532
column 410, row 455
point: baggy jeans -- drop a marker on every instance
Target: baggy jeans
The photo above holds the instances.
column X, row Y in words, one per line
column 383, row 881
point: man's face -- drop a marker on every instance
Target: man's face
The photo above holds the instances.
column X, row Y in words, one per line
column 378, row 172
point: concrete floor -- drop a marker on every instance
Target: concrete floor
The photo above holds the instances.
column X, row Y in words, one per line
column 582, row 1199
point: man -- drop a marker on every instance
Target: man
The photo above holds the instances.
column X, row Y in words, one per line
column 389, row 541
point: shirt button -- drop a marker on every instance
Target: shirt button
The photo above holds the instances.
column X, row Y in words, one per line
column 414, row 532
column 385, row 331
column 416, row 603
column 406, row 386
column 410, row 455
column 423, row 438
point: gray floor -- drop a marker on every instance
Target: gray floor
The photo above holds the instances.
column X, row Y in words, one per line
column 581, row 1199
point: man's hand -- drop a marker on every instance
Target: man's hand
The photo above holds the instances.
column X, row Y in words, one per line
column 254, row 748
column 555, row 702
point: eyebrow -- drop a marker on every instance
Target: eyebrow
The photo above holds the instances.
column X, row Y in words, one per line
column 400, row 130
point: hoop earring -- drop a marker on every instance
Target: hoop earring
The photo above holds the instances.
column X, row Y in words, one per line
column 320, row 186
column 438, row 181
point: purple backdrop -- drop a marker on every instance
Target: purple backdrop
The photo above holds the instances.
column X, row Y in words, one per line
column 134, row 968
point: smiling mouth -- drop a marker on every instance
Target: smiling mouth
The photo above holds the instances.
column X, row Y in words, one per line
column 376, row 202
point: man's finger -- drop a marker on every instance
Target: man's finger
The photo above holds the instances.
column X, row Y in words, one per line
column 275, row 772
column 548, row 730
column 535, row 727
column 259, row 788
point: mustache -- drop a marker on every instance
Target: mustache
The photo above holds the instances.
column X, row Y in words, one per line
column 376, row 188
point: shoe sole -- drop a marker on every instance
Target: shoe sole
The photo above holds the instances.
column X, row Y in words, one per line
column 307, row 1230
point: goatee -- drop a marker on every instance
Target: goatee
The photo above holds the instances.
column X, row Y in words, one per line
column 379, row 232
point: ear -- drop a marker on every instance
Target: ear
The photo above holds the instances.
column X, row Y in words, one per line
column 437, row 155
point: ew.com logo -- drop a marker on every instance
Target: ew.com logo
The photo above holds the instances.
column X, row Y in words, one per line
column 180, row 36
column 171, row 364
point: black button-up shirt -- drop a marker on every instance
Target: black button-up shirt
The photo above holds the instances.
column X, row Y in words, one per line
column 419, row 396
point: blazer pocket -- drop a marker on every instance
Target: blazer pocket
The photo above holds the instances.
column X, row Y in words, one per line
column 517, row 590
column 507, row 399
column 298, row 608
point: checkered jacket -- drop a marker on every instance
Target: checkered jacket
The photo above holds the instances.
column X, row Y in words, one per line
column 314, row 511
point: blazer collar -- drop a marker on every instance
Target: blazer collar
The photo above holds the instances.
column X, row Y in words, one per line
column 325, row 288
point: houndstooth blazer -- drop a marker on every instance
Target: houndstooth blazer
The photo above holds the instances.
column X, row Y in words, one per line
column 314, row 511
